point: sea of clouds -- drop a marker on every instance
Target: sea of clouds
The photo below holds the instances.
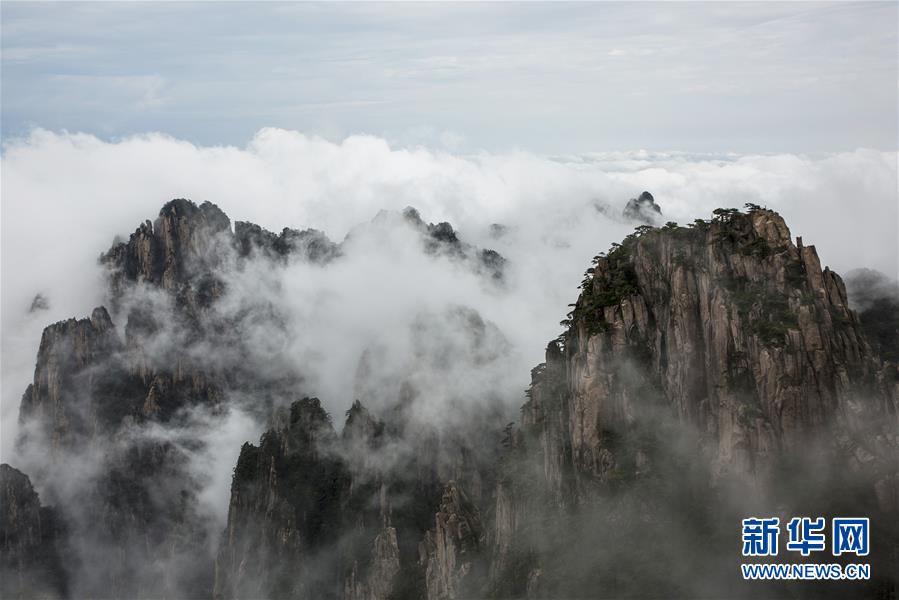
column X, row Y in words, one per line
column 66, row 196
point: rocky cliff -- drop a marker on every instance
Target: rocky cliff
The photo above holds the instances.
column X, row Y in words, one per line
column 29, row 537
column 643, row 209
column 705, row 373
column 284, row 510
column 454, row 548
column 94, row 402
column 70, row 401
column 180, row 247
column 742, row 334
column 364, row 515
column 111, row 414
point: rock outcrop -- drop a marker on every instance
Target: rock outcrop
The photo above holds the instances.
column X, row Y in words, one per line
column 30, row 565
column 81, row 386
column 136, row 501
column 442, row 239
column 643, row 209
column 357, row 516
column 39, row 303
column 735, row 328
column 170, row 250
column 108, row 400
column 310, row 244
column 285, row 512
column 705, row 373
column 713, row 366
column 452, row 549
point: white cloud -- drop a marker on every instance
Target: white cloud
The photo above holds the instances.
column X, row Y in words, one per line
column 66, row 195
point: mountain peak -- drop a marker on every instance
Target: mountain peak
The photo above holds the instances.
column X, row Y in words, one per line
column 643, row 209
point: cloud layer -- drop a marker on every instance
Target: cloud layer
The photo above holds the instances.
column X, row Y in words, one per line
column 66, row 195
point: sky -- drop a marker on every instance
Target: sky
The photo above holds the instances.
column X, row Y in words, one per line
column 544, row 117
column 542, row 77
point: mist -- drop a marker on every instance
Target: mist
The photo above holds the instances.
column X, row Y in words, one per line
column 385, row 315
column 67, row 195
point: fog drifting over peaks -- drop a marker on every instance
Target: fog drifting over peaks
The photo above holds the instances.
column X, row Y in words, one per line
column 66, row 196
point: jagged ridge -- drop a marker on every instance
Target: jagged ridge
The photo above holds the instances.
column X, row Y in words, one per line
column 697, row 360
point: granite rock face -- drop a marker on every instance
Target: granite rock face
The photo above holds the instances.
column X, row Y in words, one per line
column 178, row 248
column 718, row 360
column 103, row 396
column 355, row 516
column 70, row 401
column 79, row 413
column 643, row 209
column 705, row 373
column 442, row 239
column 94, row 401
column 284, row 509
column 30, row 564
column 741, row 332
column 313, row 245
column 119, row 399
column 451, row 550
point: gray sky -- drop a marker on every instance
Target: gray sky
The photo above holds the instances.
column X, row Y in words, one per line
column 548, row 78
